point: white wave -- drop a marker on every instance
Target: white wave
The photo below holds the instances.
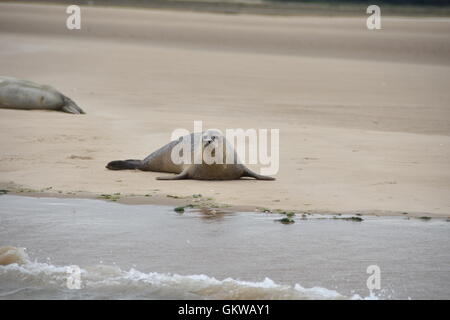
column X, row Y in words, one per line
column 111, row 282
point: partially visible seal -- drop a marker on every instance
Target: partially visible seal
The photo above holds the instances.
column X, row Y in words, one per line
column 24, row 94
column 161, row 161
column 10, row 255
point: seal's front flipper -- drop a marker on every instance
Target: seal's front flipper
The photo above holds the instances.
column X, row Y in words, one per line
column 182, row 175
column 250, row 173
column 71, row 107
column 124, row 164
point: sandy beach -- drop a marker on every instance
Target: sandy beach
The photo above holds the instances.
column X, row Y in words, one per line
column 364, row 116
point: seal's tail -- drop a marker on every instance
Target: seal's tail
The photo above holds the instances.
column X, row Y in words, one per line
column 71, row 107
column 124, row 164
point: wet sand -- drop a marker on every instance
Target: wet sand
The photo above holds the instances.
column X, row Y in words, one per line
column 153, row 252
column 364, row 116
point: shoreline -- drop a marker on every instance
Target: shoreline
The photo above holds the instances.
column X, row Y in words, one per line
column 204, row 205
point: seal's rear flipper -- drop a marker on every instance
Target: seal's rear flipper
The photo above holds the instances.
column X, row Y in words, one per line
column 250, row 173
column 182, row 175
column 124, row 164
column 71, row 107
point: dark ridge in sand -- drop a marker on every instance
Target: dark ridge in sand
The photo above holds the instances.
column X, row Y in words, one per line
column 262, row 7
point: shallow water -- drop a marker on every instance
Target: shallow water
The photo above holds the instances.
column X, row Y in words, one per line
column 152, row 252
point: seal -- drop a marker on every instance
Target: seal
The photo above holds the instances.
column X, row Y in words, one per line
column 212, row 141
column 24, row 94
column 10, row 255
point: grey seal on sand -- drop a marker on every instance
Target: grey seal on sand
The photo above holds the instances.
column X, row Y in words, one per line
column 24, row 94
column 161, row 160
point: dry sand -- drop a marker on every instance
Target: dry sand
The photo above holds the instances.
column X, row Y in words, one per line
column 364, row 116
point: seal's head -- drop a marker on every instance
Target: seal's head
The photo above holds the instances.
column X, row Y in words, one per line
column 211, row 138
